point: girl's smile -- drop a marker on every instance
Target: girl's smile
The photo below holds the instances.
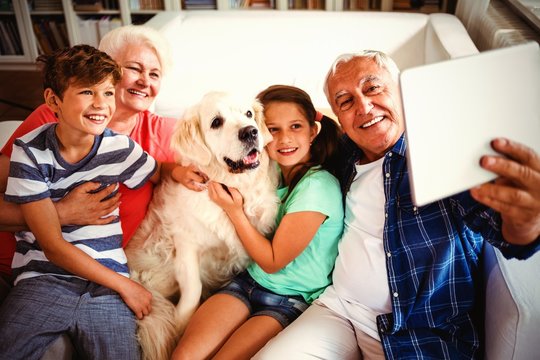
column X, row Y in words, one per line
column 292, row 136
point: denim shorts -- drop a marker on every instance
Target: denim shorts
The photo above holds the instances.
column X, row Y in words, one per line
column 261, row 301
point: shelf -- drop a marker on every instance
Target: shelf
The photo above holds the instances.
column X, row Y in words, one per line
column 98, row 13
column 55, row 23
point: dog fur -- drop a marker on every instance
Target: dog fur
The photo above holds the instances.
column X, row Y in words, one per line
column 187, row 246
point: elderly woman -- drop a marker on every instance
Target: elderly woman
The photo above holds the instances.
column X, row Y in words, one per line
column 144, row 57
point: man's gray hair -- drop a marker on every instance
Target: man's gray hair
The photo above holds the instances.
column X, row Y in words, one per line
column 381, row 59
column 116, row 41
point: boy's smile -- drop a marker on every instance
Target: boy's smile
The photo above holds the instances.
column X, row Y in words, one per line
column 85, row 110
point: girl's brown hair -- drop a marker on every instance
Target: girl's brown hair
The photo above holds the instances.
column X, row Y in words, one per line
column 323, row 150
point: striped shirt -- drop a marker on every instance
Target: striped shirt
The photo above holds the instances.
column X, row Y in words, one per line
column 433, row 261
column 38, row 171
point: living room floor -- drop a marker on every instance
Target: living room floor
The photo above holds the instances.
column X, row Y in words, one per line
column 21, row 91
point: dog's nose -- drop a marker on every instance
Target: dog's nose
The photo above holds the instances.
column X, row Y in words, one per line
column 248, row 133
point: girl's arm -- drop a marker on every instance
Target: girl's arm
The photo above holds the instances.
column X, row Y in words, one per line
column 42, row 220
column 290, row 238
column 11, row 218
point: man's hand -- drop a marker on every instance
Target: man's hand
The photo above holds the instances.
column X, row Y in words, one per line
column 516, row 193
column 82, row 207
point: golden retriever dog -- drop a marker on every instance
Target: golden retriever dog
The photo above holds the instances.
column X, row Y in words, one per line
column 187, row 246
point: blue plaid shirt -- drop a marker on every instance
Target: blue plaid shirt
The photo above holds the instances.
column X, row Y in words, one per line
column 433, row 261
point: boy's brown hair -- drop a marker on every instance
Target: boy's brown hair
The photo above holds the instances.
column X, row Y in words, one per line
column 82, row 65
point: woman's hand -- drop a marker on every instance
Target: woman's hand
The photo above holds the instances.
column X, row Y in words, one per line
column 83, row 207
column 190, row 177
column 228, row 198
column 516, row 193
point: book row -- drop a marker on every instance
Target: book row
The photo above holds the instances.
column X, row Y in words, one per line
column 10, row 40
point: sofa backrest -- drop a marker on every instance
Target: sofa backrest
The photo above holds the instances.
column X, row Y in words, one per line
column 6, row 130
column 246, row 51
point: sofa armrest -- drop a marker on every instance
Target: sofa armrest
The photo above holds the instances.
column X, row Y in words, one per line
column 6, row 130
column 446, row 38
column 512, row 305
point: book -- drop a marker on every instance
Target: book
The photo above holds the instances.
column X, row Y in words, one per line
column 55, row 32
column 7, row 44
column 87, row 5
column 6, row 5
column 88, row 30
column 44, row 46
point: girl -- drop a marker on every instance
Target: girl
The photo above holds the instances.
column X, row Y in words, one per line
column 291, row 270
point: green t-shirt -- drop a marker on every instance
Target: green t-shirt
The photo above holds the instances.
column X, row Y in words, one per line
column 310, row 272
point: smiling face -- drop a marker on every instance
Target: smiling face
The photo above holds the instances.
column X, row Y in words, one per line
column 367, row 102
column 231, row 131
column 292, row 135
column 141, row 79
column 83, row 111
column 222, row 135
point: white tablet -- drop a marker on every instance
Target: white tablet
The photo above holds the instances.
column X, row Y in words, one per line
column 454, row 108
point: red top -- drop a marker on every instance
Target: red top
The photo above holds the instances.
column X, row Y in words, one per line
column 152, row 132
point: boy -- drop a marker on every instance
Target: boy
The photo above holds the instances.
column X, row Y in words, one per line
column 73, row 279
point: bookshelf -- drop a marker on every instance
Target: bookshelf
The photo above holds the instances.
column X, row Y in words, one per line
column 31, row 27
column 89, row 20
column 14, row 35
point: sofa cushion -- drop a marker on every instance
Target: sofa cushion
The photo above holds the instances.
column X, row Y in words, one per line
column 512, row 306
column 6, row 130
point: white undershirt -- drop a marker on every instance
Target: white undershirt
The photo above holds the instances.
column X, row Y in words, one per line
column 360, row 285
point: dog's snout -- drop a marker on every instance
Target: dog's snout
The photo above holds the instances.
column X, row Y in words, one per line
column 248, row 133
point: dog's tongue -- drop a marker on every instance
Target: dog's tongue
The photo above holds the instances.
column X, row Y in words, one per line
column 252, row 157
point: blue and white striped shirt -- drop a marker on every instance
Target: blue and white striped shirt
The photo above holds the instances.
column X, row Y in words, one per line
column 433, row 261
column 38, row 171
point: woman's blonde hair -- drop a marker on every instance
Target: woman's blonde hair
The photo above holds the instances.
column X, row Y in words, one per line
column 115, row 41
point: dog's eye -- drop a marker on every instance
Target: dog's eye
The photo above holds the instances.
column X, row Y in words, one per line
column 249, row 114
column 217, row 122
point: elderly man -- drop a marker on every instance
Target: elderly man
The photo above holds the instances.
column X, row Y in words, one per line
column 406, row 280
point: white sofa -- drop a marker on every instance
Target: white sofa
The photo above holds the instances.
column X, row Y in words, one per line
column 246, row 51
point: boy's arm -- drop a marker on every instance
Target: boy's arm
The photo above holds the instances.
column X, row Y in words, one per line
column 11, row 218
column 159, row 173
column 42, row 220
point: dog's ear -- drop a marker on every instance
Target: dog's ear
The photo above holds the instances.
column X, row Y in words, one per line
column 188, row 141
column 259, row 119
